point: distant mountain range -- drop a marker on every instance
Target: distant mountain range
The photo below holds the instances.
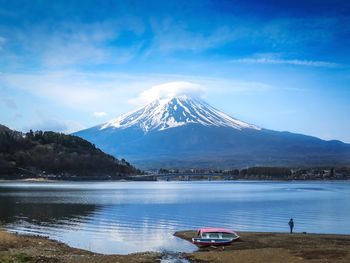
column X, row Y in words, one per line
column 187, row 132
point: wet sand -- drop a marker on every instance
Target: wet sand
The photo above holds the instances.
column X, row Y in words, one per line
column 274, row 248
column 19, row 248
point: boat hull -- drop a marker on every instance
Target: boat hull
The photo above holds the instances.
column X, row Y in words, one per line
column 212, row 241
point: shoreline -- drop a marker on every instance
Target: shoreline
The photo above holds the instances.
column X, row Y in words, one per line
column 18, row 248
column 274, row 247
column 46, row 180
column 251, row 247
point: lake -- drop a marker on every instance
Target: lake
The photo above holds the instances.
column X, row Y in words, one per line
column 126, row 217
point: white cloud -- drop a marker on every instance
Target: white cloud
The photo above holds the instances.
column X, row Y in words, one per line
column 56, row 125
column 297, row 62
column 99, row 114
column 169, row 89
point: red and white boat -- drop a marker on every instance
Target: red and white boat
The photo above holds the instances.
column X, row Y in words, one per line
column 214, row 237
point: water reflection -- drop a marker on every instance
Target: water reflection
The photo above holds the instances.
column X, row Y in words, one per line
column 142, row 216
column 13, row 209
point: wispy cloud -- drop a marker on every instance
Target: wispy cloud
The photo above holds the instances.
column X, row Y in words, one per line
column 7, row 102
column 78, row 44
column 62, row 87
column 47, row 121
column 99, row 114
column 66, row 126
column 288, row 34
column 72, row 44
column 80, row 90
column 117, row 41
column 296, row 62
column 170, row 35
column 28, row 117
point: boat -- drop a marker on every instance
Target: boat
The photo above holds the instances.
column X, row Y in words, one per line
column 214, row 237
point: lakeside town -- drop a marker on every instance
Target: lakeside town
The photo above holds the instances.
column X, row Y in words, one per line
column 253, row 173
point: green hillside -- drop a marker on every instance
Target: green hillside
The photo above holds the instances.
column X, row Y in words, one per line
column 56, row 155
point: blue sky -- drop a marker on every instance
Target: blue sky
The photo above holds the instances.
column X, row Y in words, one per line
column 282, row 65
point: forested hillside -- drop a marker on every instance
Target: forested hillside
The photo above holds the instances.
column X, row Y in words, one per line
column 51, row 154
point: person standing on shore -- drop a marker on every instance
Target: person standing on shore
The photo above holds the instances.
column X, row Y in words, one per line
column 291, row 225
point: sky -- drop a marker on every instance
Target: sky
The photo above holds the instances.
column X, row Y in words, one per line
column 281, row 65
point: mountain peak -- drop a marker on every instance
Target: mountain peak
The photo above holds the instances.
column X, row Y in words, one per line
column 171, row 112
column 186, row 132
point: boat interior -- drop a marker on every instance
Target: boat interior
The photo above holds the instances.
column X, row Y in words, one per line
column 217, row 235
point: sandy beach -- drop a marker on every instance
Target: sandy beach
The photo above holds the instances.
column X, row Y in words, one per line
column 250, row 248
column 255, row 247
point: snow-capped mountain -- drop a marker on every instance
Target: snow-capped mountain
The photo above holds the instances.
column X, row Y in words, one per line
column 188, row 132
column 167, row 113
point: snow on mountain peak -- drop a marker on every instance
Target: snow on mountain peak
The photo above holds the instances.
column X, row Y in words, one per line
column 171, row 112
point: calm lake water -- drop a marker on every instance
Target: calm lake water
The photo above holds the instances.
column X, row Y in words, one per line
column 125, row 217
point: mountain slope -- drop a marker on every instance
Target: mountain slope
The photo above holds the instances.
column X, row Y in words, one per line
column 168, row 113
column 185, row 132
